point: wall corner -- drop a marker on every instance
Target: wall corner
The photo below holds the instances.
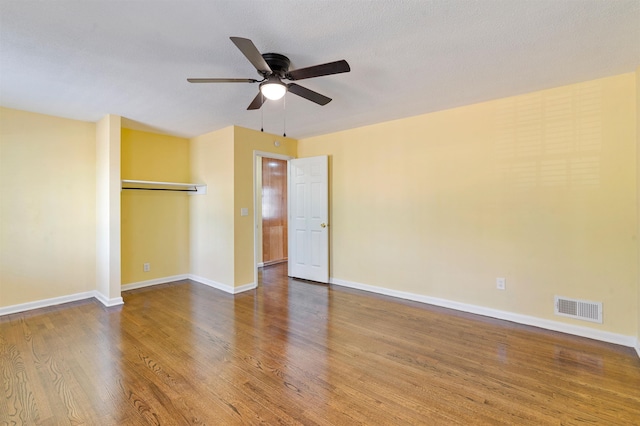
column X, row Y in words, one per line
column 637, row 118
column 108, row 271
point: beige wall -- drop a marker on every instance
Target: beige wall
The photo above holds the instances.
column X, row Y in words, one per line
column 155, row 224
column 211, row 215
column 47, row 207
column 638, row 190
column 539, row 188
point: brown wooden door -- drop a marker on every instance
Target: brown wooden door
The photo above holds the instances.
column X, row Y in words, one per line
column 274, row 211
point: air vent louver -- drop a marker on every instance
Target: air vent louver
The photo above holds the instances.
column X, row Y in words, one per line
column 578, row 309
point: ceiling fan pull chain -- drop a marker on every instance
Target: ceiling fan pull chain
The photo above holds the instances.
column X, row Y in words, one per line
column 262, row 114
column 284, row 107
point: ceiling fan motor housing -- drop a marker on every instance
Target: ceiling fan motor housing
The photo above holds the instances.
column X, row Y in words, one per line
column 278, row 63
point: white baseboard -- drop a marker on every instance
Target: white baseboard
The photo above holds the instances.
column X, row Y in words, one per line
column 638, row 347
column 163, row 280
column 243, row 288
column 591, row 333
column 224, row 287
column 44, row 303
column 12, row 309
column 108, row 302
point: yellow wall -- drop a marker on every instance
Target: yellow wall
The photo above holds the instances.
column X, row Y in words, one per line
column 638, row 189
column 211, row 215
column 155, row 224
column 47, row 207
column 538, row 188
column 222, row 247
column 246, row 141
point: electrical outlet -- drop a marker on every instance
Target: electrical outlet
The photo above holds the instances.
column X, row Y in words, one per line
column 501, row 283
column 146, row 267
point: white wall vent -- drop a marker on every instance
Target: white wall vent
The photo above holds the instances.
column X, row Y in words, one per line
column 578, row 309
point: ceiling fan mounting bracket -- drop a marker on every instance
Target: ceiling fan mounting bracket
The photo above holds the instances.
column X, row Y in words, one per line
column 278, row 63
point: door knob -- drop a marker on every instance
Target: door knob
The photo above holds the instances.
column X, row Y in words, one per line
column 323, row 225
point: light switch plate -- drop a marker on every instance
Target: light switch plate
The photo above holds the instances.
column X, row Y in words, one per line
column 244, row 211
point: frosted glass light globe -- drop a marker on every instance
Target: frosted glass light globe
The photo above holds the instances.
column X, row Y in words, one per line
column 273, row 89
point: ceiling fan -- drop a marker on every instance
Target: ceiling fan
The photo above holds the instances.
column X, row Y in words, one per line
column 274, row 67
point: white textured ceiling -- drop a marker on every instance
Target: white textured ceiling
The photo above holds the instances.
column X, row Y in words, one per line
column 84, row 59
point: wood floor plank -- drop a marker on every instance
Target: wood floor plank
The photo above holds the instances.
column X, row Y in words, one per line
column 299, row 353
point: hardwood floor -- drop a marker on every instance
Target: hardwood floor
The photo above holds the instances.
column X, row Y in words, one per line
column 293, row 352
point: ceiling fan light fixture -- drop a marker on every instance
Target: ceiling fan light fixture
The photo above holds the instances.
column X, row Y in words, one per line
column 273, row 89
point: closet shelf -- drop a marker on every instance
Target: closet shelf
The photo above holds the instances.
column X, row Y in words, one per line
column 149, row 185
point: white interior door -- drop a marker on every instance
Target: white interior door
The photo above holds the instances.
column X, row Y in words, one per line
column 309, row 218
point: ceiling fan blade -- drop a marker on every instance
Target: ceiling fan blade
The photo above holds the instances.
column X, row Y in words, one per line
column 336, row 67
column 251, row 52
column 222, row 80
column 308, row 94
column 257, row 102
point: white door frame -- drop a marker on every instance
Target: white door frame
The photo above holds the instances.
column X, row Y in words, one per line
column 263, row 154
